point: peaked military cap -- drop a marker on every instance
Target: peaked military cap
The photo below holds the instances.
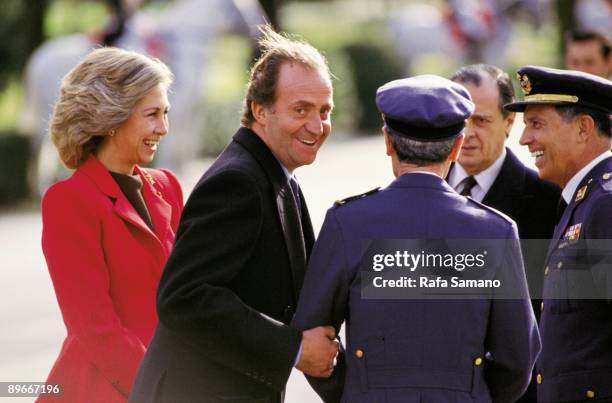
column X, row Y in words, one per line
column 546, row 86
column 424, row 108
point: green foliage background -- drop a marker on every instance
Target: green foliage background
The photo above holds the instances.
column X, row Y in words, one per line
column 351, row 33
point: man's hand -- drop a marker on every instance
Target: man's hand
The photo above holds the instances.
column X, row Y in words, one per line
column 319, row 351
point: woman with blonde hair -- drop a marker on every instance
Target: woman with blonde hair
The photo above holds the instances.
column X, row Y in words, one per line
column 108, row 229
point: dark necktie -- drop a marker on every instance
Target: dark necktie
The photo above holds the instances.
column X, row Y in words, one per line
column 468, row 184
column 561, row 206
column 296, row 194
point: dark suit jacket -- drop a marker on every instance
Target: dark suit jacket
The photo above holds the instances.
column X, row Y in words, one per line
column 531, row 202
column 576, row 323
column 230, row 286
column 410, row 350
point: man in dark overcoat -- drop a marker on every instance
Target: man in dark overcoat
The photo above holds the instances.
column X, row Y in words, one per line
column 231, row 284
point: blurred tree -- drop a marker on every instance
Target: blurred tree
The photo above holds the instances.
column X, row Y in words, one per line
column 372, row 66
column 271, row 9
column 567, row 23
column 21, row 30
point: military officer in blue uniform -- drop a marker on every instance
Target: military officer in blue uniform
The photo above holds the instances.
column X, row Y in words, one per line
column 418, row 350
column 567, row 130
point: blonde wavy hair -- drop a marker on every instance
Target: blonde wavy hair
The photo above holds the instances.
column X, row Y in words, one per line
column 97, row 96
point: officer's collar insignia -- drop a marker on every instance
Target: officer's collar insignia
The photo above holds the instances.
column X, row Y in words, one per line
column 581, row 193
column 525, row 83
column 607, row 176
column 572, row 233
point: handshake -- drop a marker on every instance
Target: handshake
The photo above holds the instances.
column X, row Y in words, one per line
column 319, row 352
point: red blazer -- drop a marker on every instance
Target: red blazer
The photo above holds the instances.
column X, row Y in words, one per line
column 105, row 264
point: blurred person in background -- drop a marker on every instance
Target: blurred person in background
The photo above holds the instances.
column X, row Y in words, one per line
column 176, row 34
column 119, row 13
column 109, row 228
column 593, row 15
column 588, row 51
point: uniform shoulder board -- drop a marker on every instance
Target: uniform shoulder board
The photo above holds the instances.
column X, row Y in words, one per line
column 606, row 181
column 356, row 197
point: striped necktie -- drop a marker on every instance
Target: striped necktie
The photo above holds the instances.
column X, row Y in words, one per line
column 296, row 194
column 468, row 183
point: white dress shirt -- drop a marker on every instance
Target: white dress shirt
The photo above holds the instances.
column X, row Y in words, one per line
column 484, row 179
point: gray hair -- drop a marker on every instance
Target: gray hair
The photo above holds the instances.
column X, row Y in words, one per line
column 602, row 120
column 97, row 96
column 421, row 153
column 473, row 74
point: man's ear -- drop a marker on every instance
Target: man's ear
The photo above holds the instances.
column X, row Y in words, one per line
column 388, row 144
column 259, row 112
column 456, row 147
column 586, row 127
column 509, row 122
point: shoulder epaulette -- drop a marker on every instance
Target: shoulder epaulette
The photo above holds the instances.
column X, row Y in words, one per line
column 356, row 197
column 606, row 181
column 603, row 181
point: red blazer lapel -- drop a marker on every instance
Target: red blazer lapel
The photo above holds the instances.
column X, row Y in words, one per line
column 98, row 173
column 126, row 211
column 159, row 209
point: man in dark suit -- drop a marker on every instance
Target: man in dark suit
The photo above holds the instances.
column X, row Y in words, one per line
column 567, row 130
column 499, row 179
column 401, row 350
column 232, row 281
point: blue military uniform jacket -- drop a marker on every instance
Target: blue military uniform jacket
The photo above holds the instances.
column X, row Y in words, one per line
column 576, row 360
column 416, row 350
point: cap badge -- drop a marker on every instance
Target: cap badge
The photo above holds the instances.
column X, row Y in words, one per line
column 525, row 83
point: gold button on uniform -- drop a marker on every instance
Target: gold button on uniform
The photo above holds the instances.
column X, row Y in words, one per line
column 559, row 265
column 359, row 354
column 606, row 176
column 539, row 379
column 590, row 394
column 542, row 307
column 478, row 361
column 546, row 270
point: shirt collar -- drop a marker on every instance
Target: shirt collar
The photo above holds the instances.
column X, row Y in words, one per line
column 484, row 179
column 570, row 188
column 288, row 174
column 424, row 172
